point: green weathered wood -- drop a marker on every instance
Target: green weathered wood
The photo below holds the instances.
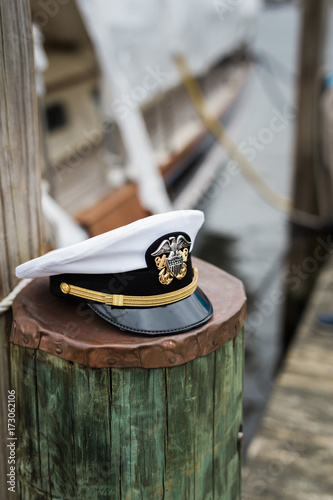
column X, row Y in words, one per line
column 228, row 420
column 129, row 434
column 138, row 430
column 24, row 363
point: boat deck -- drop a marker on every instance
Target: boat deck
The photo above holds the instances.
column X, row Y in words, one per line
column 291, row 455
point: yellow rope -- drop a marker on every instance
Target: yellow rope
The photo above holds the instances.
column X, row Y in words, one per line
column 221, row 134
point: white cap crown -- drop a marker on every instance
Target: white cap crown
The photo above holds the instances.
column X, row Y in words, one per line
column 116, row 251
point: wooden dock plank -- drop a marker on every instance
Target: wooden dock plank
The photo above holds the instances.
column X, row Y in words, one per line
column 291, row 456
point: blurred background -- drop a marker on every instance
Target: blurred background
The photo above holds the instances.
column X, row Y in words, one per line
column 123, row 135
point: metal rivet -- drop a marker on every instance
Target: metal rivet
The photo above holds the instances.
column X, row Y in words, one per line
column 111, row 361
column 240, row 436
column 236, row 325
column 25, row 339
column 172, row 359
column 215, row 342
column 58, row 349
column 168, row 344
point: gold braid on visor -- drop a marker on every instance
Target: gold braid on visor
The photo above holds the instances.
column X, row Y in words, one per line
column 132, row 300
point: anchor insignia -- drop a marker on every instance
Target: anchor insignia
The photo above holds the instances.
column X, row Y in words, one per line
column 174, row 256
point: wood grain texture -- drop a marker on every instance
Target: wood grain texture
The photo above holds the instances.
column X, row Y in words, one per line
column 20, row 215
column 20, row 219
column 5, row 326
column 129, row 434
column 73, row 332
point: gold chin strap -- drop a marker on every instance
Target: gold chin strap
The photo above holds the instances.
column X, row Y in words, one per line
column 133, row 300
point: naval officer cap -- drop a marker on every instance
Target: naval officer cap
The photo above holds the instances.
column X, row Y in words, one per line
column 138, row 277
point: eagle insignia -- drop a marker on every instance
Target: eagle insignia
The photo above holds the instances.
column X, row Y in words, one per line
column 171, row 257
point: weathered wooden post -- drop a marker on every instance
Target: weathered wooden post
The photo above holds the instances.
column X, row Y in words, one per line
column 308, row 196
column 20, row 215
column 110, row 415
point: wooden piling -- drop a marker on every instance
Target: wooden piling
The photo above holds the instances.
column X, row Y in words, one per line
column 20, row 213
column 308, row 197
column 112, row 415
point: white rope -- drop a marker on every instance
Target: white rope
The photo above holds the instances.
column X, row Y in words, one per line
column 7, row 302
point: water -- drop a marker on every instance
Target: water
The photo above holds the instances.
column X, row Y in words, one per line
column 243, row 234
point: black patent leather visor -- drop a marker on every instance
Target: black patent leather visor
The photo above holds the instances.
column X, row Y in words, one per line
column 178, row 317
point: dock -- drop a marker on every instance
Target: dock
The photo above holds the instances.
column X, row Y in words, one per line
column 291, row 455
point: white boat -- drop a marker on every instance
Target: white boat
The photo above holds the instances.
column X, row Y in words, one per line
column 121, row 135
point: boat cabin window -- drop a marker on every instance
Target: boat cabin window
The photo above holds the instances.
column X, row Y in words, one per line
column 56, row 116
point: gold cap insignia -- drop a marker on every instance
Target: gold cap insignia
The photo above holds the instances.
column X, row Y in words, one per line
column 170, row 259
